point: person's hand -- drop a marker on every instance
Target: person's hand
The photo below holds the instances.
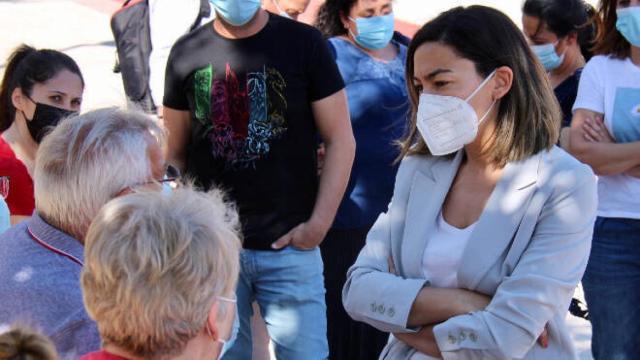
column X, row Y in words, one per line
column 392, row 266
column 305, row 236
column 596, row 131
column 543, row 340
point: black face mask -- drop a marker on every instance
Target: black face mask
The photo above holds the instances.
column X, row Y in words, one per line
column 44, row 118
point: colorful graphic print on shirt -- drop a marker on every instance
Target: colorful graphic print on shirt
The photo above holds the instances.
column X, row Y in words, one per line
column 242, row 115
column 626, row 115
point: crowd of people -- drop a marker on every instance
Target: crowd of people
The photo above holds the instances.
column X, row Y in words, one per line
column 353, row 192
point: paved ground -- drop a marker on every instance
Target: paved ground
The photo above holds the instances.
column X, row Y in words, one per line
column 81, row 29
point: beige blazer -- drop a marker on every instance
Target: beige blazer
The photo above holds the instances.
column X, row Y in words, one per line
column 528, row 251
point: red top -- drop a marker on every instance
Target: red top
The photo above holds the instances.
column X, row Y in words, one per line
column 101, row 355
column 20, row 199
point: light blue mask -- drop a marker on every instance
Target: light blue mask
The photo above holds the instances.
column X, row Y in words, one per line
column 629, row 24
column 548, row 56
column 236, row 12
column 374, row 32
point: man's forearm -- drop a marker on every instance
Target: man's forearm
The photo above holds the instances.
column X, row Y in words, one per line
column 177, row 124
column 338, row 160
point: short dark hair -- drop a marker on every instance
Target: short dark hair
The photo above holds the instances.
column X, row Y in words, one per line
column 609, row 41
column 26, row 67
column 328, row 20
column 564, row 17
column 529, row 115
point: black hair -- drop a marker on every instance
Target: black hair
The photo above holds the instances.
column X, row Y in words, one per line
column 26, row 67
column 562, row 17
column 328, row 20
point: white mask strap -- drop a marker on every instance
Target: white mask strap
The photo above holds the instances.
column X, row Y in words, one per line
column 487, row 113
column 483, row 83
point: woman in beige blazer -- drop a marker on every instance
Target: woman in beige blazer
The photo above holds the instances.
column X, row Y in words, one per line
column 489, row 228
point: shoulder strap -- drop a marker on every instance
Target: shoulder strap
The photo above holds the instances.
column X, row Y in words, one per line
column 204, row 12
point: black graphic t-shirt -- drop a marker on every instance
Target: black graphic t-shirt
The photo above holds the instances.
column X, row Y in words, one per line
column 253, row 132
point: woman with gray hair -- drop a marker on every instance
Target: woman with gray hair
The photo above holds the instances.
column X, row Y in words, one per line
column 160, row 275
column 82, row 164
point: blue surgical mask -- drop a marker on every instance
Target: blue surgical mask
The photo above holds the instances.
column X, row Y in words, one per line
column 374, row 32
column 236, row 12
column 548, row 56
column 628, row 24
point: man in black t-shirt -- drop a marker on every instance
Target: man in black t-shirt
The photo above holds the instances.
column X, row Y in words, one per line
column 245, row 98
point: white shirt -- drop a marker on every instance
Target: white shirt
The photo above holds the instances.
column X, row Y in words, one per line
column 441, row 259
column 612, row 87
column 168, row 21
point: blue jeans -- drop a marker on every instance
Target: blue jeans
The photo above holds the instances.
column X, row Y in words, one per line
column 612, row 289
column 289, row 288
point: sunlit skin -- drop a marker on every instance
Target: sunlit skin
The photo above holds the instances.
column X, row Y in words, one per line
column 365, row 9
column 293, row 8
column 64, row 90
column 537, row 33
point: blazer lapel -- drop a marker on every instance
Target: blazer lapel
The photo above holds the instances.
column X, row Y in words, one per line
column 429, row 188
column 499, row 221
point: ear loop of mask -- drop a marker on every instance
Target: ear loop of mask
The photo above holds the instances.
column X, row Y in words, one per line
column 561, row 56
column 22, row 112
column 282, row 12
column 209, row 332
column 482, row 84
column 349, row 28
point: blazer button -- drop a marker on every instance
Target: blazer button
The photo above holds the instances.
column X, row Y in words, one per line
column 391, row 312
column 462, row 337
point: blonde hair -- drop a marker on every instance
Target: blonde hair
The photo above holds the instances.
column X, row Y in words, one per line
column 154, row 264
column 86, row 160
column 22, row 343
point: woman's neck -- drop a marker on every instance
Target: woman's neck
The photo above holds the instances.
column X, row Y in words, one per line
column 476, row 153
column 574, row 60
column 21, row 142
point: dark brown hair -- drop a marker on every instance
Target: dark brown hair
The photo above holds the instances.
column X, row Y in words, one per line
column 609, row 41
column 328, row 20
column 26, row 67
column 528, row 116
